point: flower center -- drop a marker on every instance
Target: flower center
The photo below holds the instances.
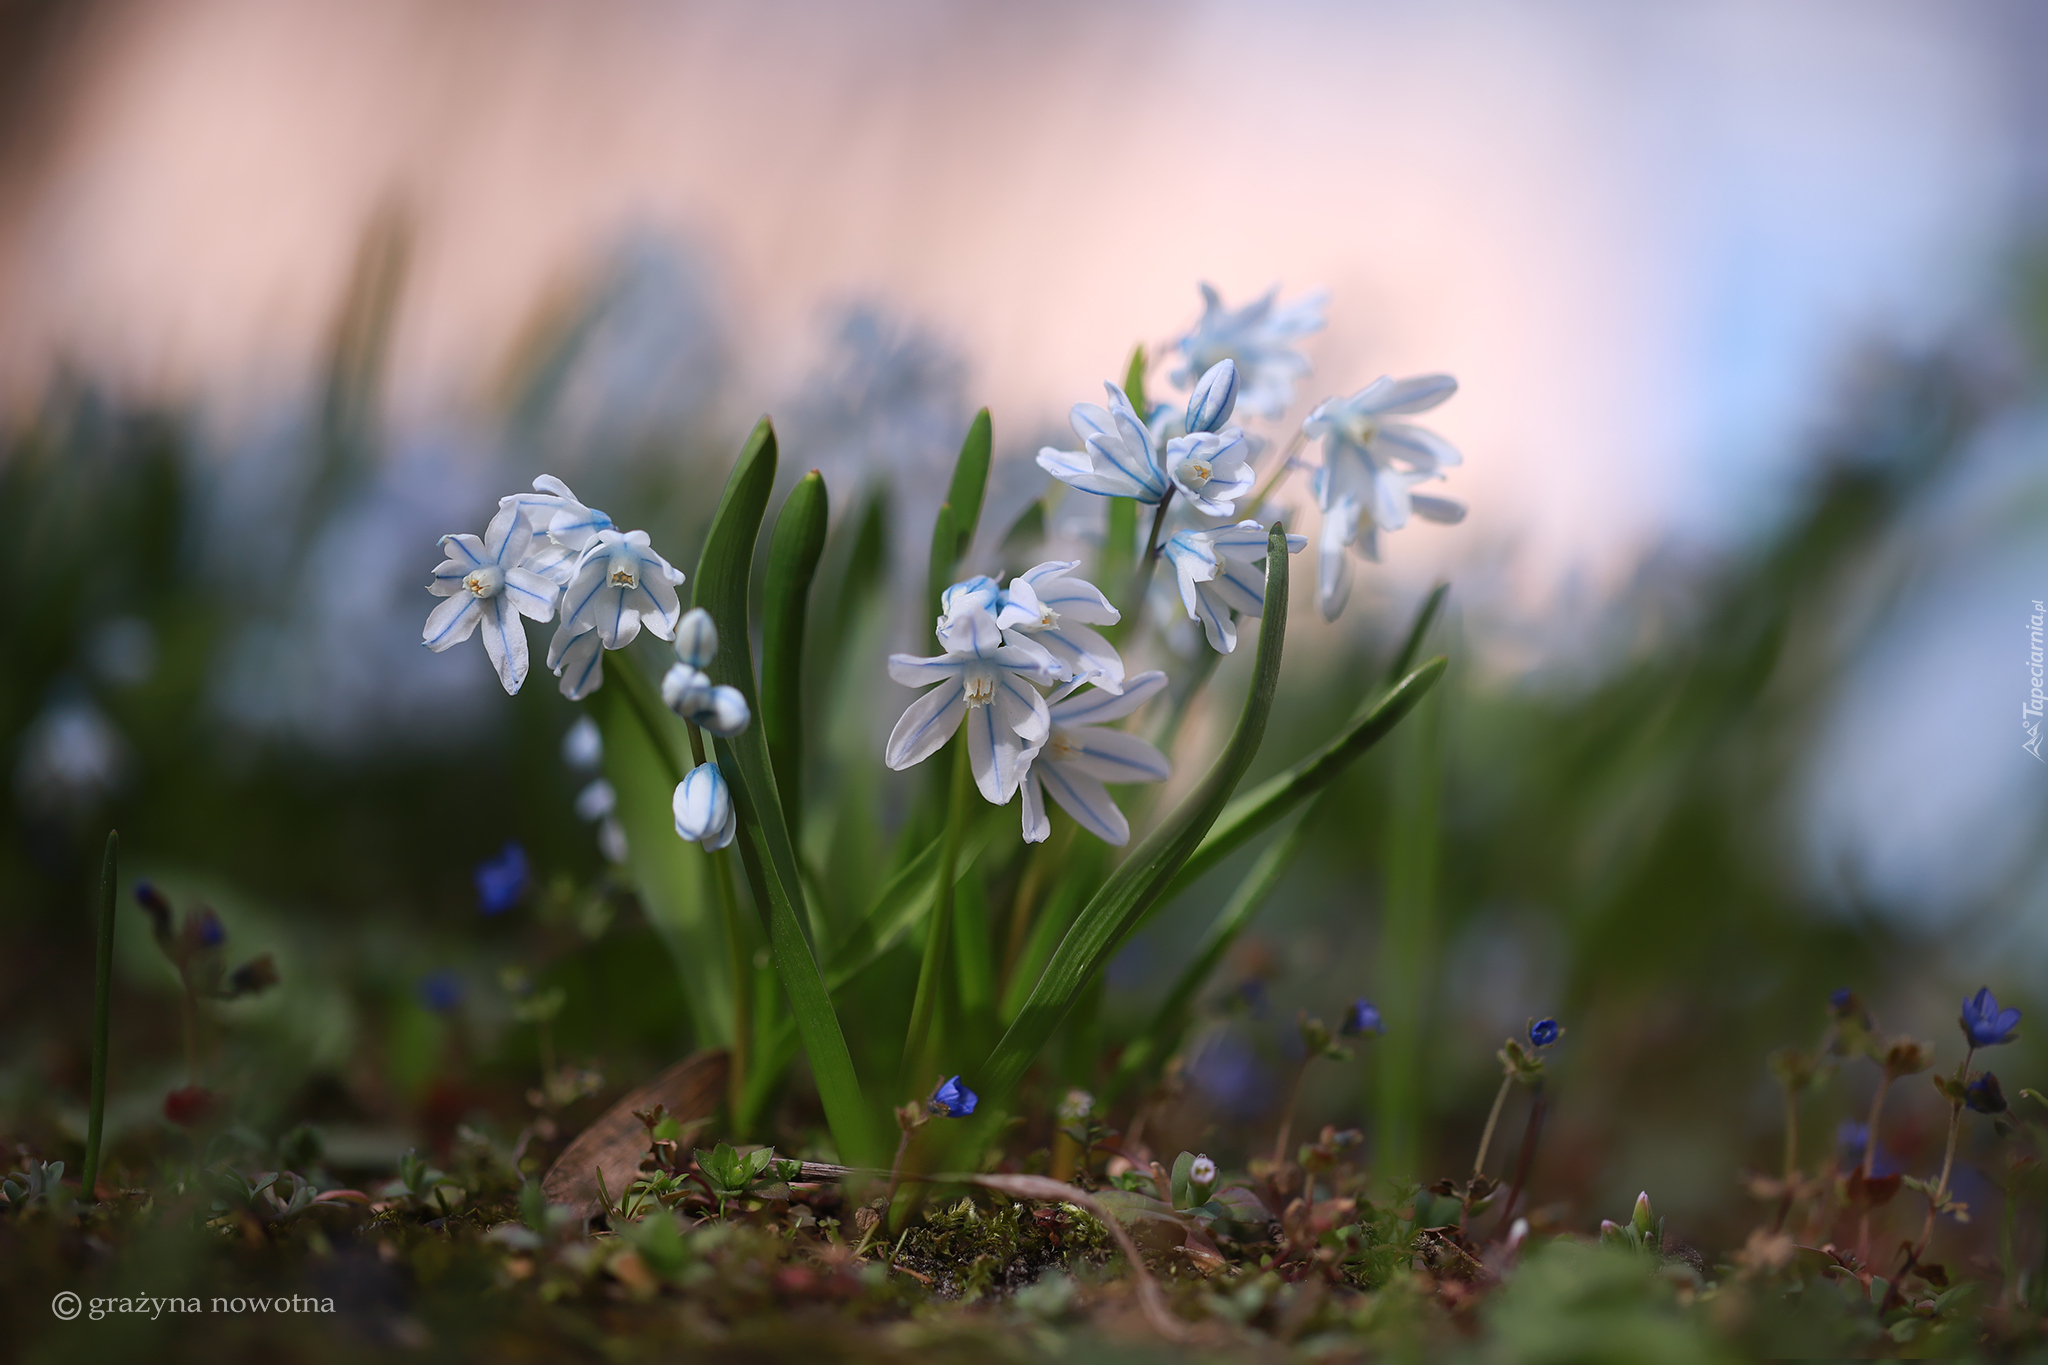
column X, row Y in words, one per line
column 484, row 581
column 1196, row 473
column 622, row 576
column 1360, row 428
column 1058, row 746
column 979, row 687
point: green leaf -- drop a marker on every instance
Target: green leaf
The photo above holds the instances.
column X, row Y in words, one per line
column 1404, row 661
column 902, row 905
column 939, row 572
column 724, row 572
column 1277, row 795
column 1137, row 885
column 1134, row 380
column 1183, row 1187
column 970, row 481
column 792, row 563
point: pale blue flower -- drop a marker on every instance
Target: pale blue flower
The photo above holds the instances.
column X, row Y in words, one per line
column 1214, row 398
column 1056, row 611
column 1211, row 469
column 986, row 682
column 1079, row 756
column 1259, row 338
column 565, row 525
column 1217, row 576
column 483, row 584
column 619, row 586
column 583, row 746
column 715, row 707
column 1118, row 457
column 703, row 808
column 1370, row 468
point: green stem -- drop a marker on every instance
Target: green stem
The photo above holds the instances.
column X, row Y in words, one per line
column 1948, row 1160
column 1492, row 1121
column 102, row 1016
column 1141, row 579
column 938, row 939
column 740, row 961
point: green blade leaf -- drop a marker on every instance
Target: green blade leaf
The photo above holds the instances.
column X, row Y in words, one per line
column 723, row 574
column 1282, row 792
column 1417, row 632
column 939, row 576
column 792, row 563
column 903, row 903
column 1134, row 380
column 970, row 482
column 1136, row 886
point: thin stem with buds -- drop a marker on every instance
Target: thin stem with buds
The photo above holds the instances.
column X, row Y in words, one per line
column 1500, row 1099
column 1948, row 1161
column 739, row 962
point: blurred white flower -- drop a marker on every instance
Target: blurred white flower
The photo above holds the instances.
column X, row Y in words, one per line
column 1055, row 612
column 1079, row 756
column 986, row 682
column 596, row 801
column 1202, row 1171
column 72, row 758
column 703, row 808
column 1118, row 456
column 619, row 586
column 1217, row 577
column 482, row 584
column 1370, row 468
column 1259, row 338
column 583, row 746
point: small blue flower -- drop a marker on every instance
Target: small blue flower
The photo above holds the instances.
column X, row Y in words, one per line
column 953, row 1100
column 1842, row 1001
column 1985, row 1024
column 1983, row 1094
column 1363, row 1017
column 501, row 881
column 1544, row 1032
column 211, row 934
column 440, row 991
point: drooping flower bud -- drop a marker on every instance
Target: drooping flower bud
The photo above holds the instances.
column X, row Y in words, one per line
column 696, row 638
column 703, row 808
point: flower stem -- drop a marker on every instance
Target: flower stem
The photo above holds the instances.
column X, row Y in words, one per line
column 102, row 1014
column 1141, row 579
column 740, row 962
column 938, row 941
column 1884, row 1083
column 1287, row 1114
column 1500, row 1098
column 1273, row 479
column 1948, row 1160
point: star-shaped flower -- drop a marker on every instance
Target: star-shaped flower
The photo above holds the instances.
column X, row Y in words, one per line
column 1118, row 457
column 558, row 515
column 1079, row 756
column 1370, row 467
column 483, row 583
column 1217, row 576
column 1259, row 338
column 1051, row 609
column 985, row 682
column 1985, row 1024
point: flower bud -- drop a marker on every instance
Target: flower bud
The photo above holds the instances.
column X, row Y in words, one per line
column 696, row 638
column 1362, row 1017
column 685, row 690
column 703, row 807
column 1984, row 1094
column 1202, row 1172
column 1641, row 1219
column 1210, row 405
column 1544, row 1032
column 727, row 714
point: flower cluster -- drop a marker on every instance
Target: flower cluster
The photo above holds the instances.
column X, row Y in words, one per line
column 546, row 553
column 1005, row 649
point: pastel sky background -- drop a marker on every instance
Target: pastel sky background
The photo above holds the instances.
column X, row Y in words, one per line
column 1648, row 239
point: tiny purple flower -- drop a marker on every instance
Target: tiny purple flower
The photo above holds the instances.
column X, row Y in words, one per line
column 1985, row 1024
column 501, row 881
column 1544, row 1032
column 1363, row 1017
column 953, row 1100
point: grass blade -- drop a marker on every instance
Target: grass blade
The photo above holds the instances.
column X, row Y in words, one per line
column 1136, row 886
column 792, row 564
column 904, row 901
column 1273, row 798
column 970, row 481
column 724, row 572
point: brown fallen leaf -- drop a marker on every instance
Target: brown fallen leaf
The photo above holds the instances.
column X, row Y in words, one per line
column 614, row 1144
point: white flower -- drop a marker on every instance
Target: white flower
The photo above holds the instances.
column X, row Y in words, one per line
column 703, row 808
column 1209, row 467
column 1217, row 577
column 611, row 840
column 1118, row 456
column 579, row 663
column 482, row 583
column 1055, row 612
column 620, row 585
column 556, row 513
column 1259, row 338
column 1202, row 1171
column 1370, row 468
column 987, row 683
column 691, row 694
column 1077, row 1105
column 1215, row 395
column 1078, row 756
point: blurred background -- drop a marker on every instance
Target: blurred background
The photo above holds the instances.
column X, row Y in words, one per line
column 1747, row 306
